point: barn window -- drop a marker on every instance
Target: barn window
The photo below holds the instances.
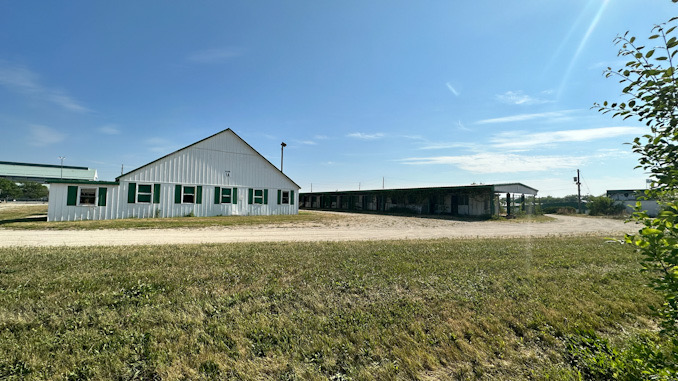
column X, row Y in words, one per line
column 188, row 195
column 285, row 197
column 88, row 196
column 258, row 196
column 225, row 195
column 144, row 193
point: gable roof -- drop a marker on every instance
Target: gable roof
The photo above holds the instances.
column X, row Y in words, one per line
column 202, row 140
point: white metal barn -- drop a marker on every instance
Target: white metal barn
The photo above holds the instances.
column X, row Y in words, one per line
column 219, row 175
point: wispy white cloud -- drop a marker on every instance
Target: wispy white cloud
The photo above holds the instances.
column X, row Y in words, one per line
column 452, row 89
column 520, row 98
column 26, row 82
column 160, row 145
column 213, row 56
column 519, row 140
column 320, row 137
column 307, row 142
column 109, row 129
column 500, row 162
column 445, row 145
column 462, row 127
column 364, row 136
column 524, row 117
column 41, row 136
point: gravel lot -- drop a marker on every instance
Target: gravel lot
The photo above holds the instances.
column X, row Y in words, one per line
column 352, row 227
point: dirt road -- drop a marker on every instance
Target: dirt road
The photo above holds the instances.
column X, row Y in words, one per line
column 354, row 227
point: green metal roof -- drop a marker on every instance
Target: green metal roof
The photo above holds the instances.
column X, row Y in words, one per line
column 68, row 181
column 43, row 172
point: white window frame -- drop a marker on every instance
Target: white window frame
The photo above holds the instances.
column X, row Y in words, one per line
column 140, row 193
column 96, row 196
column 285, row 194
column 184, row 194
column 229, row 195
column 260, row 197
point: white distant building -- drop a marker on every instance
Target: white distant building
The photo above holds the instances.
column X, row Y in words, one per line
column 219, row 175
column 629, row 198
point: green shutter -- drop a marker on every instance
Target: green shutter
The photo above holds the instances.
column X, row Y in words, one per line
column 217, row 195
column 279, row 196
column 250, row 197
column 156, row 193
column 234, row 198
column 265, row 196
column 131, row 192
column 198, row 196
column 177, row 194
column 72, row 198
column 102, row 196
column 292, row 197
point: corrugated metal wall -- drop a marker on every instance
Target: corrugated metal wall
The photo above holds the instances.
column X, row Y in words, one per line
column 223, row 160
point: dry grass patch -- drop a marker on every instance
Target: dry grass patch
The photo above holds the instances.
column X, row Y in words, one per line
column 446, row 309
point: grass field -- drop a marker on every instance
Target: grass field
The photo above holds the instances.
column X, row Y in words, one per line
column 444, row 309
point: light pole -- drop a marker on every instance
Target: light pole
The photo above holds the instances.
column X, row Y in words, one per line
column 62, row 165
column 282, row 148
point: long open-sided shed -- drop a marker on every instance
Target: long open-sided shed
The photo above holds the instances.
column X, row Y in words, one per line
column 471, row 200
column 219, row 175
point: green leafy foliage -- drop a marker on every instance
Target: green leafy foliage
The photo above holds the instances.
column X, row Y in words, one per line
column 651, row 90
column 9, row 190
column 641, row 358
column 28, row 190
column 32, row 190
column 604, row 206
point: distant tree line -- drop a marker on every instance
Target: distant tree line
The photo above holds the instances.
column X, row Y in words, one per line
column 28, row 190
column 596, row 206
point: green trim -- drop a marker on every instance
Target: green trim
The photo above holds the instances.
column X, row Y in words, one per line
column 177, row 194
column 102, row 196
column 156, row 193
column 234, row 198
column 265, row 196
column 131, row 193
column 198, row 196
column 291, row 197
column 250, row 197
column 279, row 196
column 72, row 198
column 63, row 181
column 217, row 195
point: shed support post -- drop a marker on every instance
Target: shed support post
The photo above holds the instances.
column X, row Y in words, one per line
column 508, row 204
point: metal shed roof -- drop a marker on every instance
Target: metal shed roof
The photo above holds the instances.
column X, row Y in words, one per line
column 496, row 188
column 41, row 173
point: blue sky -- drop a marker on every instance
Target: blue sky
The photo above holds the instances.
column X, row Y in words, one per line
column 408, row 93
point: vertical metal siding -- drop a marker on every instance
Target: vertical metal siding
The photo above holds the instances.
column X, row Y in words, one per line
column 204, row 164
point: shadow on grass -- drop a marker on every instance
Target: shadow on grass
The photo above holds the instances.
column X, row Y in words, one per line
column 24, row 219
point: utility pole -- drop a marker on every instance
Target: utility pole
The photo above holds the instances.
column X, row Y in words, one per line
column 383, row 181
column 577, row 180
column 62, row 165
column 282, row 147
